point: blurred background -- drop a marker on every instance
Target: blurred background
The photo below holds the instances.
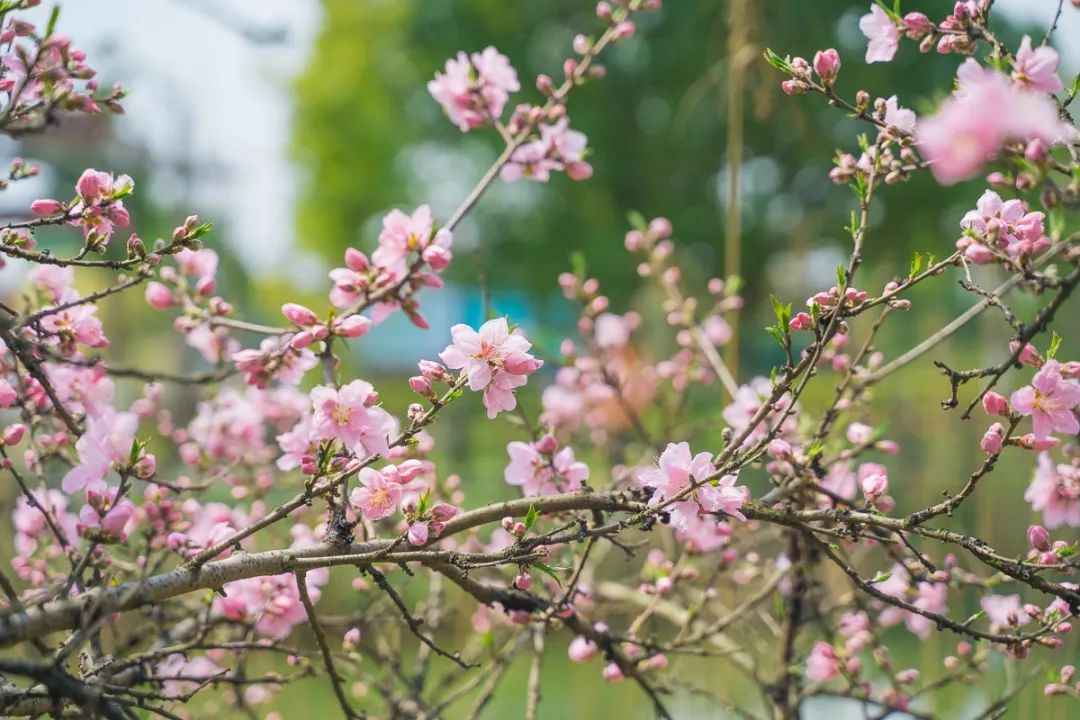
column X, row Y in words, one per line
column 294, row 125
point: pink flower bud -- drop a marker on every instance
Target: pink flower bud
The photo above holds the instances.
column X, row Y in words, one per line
column 523, row 581
column 624, row 30
column 350, row 639
column 508, row 524
column 995, row 404
column 45, row 207
column 299, row 315
column 544, row 84
column 874, row 486
column 660, row 227
column 1038, row 537
column 418, row 533
column 146, row 467
column 8, row 395
column 420, row 385
column 14, row 433
column 158, row 296
column 547, row 444
column 1028, row 355
column 827, row 65
column 917, row 25
column 993, row 439
column 612, row 673
column 352, row 327
column 801, row 322
column 581, row 649
column 356, row 260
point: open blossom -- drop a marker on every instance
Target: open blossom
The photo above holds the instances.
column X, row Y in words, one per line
column 377, row 497
column 405, row 234
column 540, row 473
column 107, row 440
column 1004, row 225
column 99, row 209
column 494, row 359
column 747, row 403
column 928, row 596
column 884, row 38
column 1004, row 611
column 272, row 603
column 29, row 523
column 78, row 324
column 558, row 149
column 899, row 117
column 350, row 414
column 274, row 361
column 822, row 664
column 1055, row 491
column 973, row 125
column 1036, row 68
column 474, row 89
column 674, row 471
column 105, row 517
column 1049, row 400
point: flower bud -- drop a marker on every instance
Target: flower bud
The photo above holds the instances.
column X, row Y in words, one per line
column 1038, row 537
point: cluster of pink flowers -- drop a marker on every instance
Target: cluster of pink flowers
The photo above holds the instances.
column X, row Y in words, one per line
column 558, row 149
column 352, row 415
column 495, row 360
column 541, row 468
column 676, row 472
column 996, row 226
column 474, row 88
column 45, row 72
column 271, row 603
column 410, row 255
column 98, row 207
column 748, row 402
column 987, row 111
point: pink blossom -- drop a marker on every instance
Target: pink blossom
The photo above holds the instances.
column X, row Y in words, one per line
column 1036, row 68
column 295, row 444
column 271, row 602
column 178, row 666
column 544, row 473
column 884, row 38
column 200, row 264
column 611, row 331
column 993, row 439
column 1003, row 611
column 31, row 526
column 822, row 664
column 350, row 414
column 1049, row 400
column 77, row 324
column 972, row 126
column 827, row 65
column 274, row 361
column 746, row 404
column 1005, row 225
column 494, row 359
column 376, row 497
column 995, row 404
column 1055, row 491
column 106, row 517
column 474, row 89
column 403, row 235
column 581, row 649
column 53, row 279
column 675, row 470
column 899, row 117
column 107, row 440
column 558, row 149
column 158, row 296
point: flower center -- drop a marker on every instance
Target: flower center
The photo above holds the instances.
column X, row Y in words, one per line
column 341, row 414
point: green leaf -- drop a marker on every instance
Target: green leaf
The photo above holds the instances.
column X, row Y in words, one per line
column 776, row 61
column 199, row 231
column 549, row 571
column 733, row 283
column 530, row 517
column 880, row 577
column 781, row 310
column 841, row 276
column 777, row 334
column 53, row 17
column 577, row 264
column 1055, row 343
column 637, row 220
column 916, row 264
